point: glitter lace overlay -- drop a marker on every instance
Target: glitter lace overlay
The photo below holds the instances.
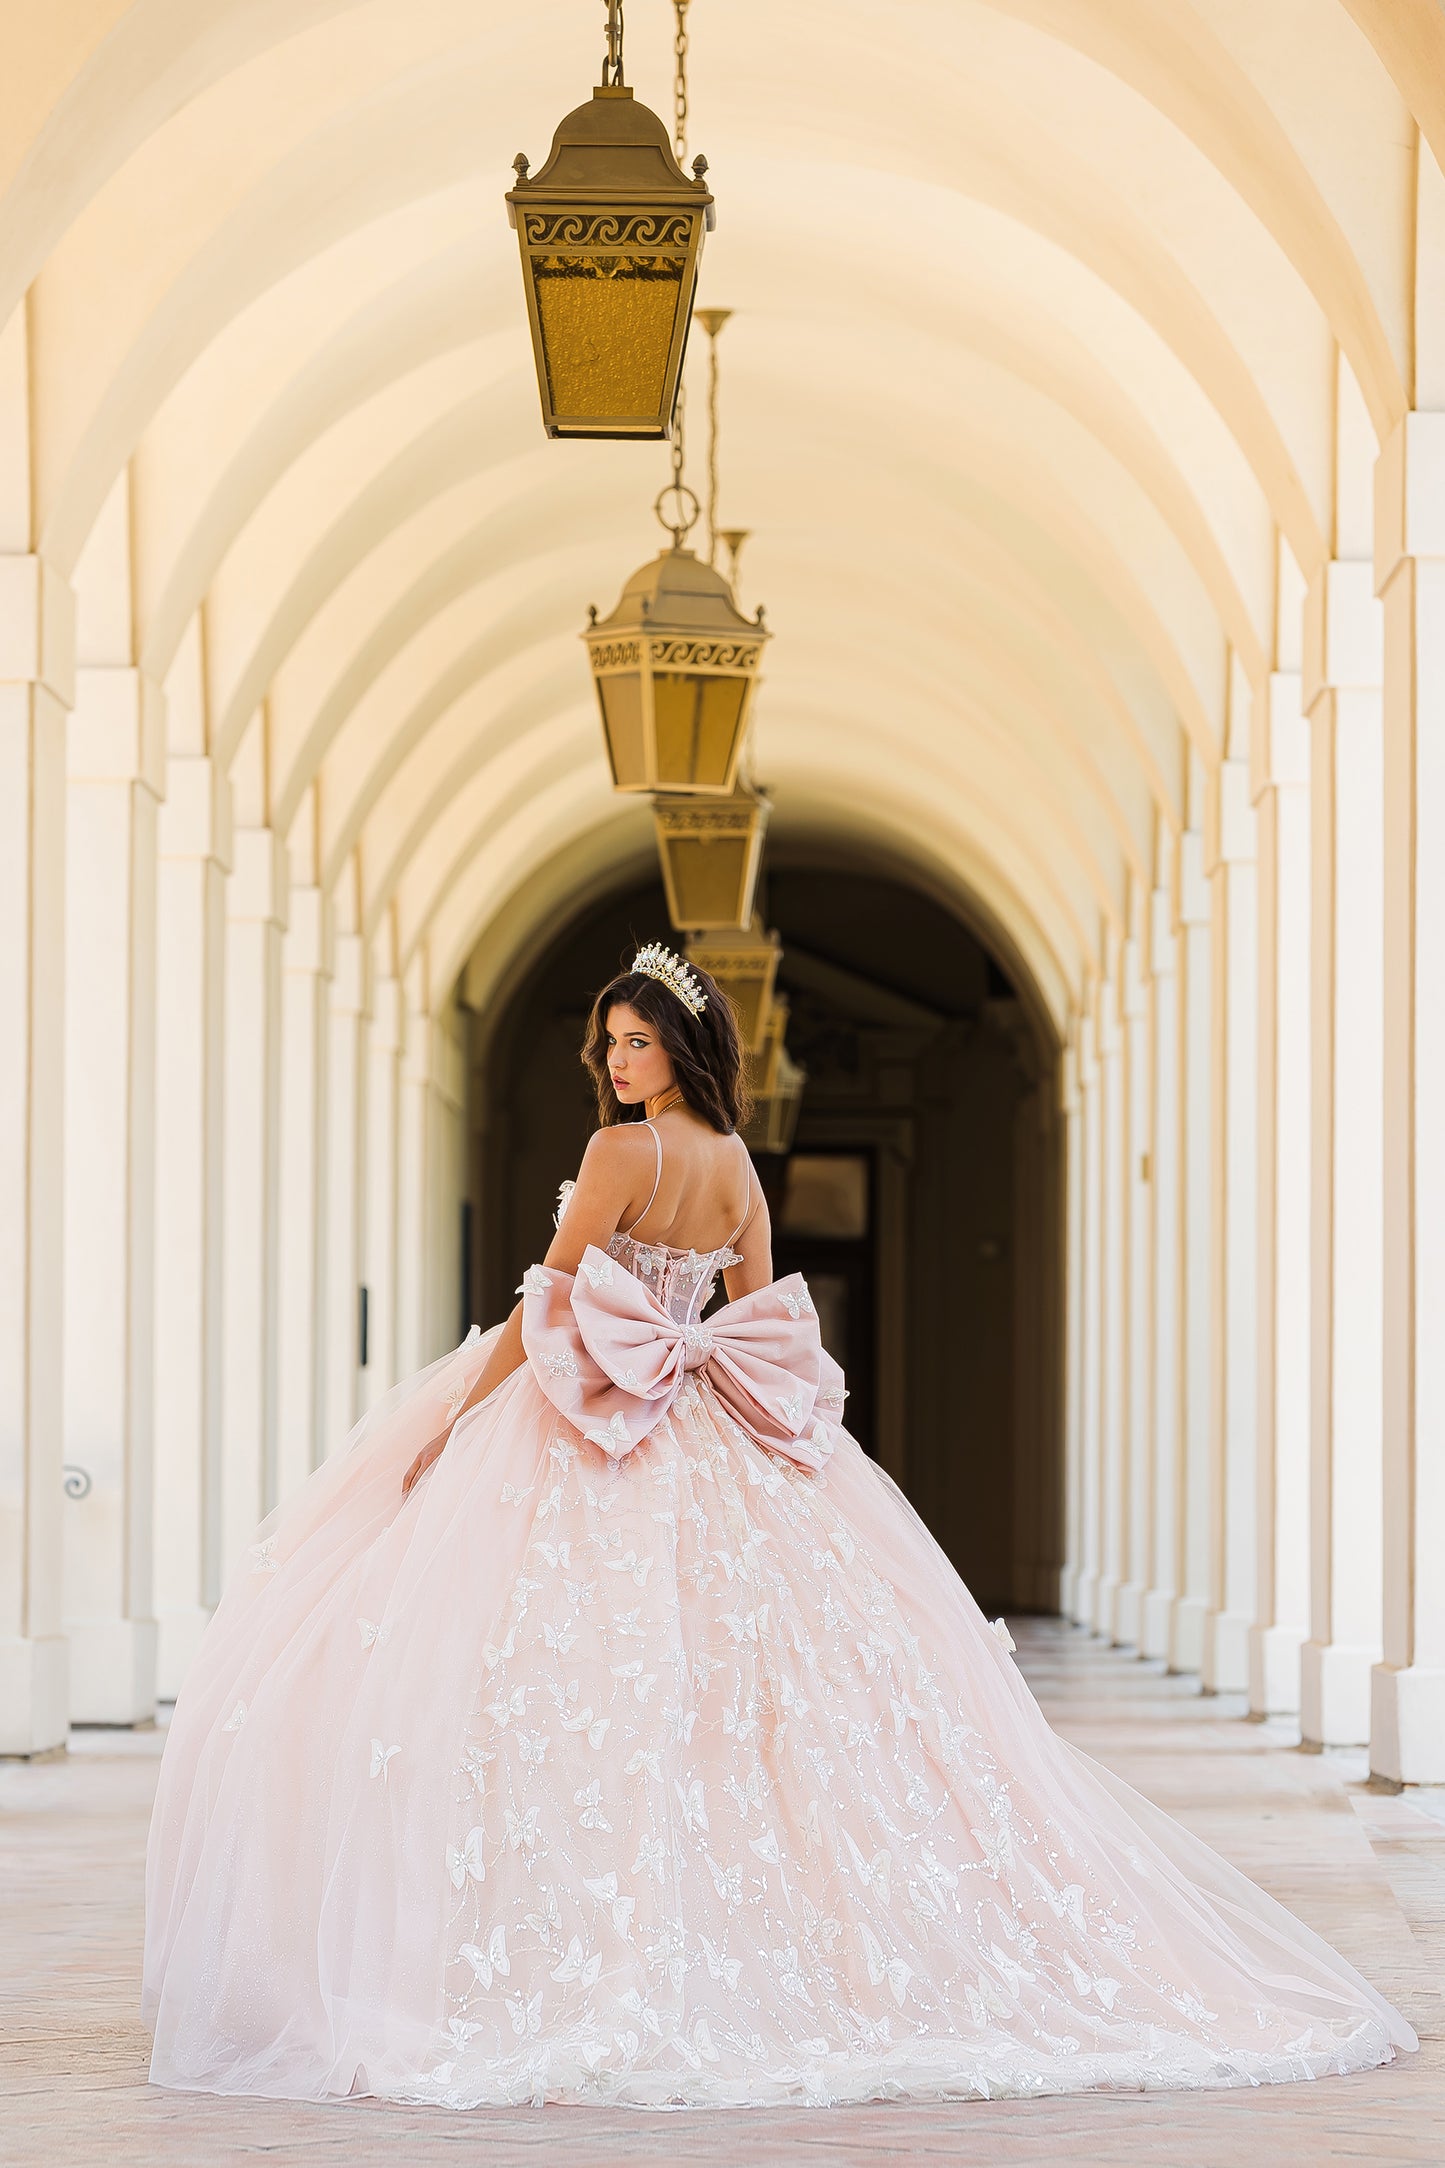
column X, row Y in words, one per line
column 685, row 1776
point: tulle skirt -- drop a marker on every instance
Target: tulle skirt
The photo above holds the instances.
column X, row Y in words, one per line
column 689, row 1779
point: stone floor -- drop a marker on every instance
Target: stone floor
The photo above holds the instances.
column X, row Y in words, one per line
column 1367, row 1870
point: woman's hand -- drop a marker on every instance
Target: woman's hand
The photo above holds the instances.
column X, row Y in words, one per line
column 423, row 1461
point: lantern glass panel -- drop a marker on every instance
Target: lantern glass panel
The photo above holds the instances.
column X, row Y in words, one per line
column 697, row 721
column 620, row 698
column 709, row 875
column 607, row 328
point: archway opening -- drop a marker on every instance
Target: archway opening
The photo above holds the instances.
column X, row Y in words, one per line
column 922, row 1196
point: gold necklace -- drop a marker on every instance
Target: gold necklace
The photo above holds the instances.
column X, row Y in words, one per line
column 672, row 1097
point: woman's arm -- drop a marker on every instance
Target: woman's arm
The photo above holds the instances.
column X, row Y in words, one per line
column 606, row 1191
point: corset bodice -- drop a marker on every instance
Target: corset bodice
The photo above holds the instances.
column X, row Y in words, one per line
column 681, row 1280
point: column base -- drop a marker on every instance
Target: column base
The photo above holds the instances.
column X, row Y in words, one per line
column 112, row 1670
column 1407, row 1724
column 1086, row 1590
column 1129, row 1615
column 34, row 1695
column 1274, row 1670
column 1154, row 1633
column 1068, row 1589
column 1186, row 1633
column 1225, row 1668
column 1106, row 1598
column 1335, row 1694
column 178, row 1638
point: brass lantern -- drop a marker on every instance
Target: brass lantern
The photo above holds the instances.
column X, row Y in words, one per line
column 711, row 850
column 745, row 966
column 675, row 667
column 776, row 1082
column 610, row 232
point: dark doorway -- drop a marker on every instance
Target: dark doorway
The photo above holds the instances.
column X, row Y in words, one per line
column 921, row 1200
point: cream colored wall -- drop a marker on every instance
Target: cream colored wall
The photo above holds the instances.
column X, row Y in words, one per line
column 1069, row 336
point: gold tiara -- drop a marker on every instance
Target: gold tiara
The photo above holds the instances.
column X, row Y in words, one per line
column 657, row 962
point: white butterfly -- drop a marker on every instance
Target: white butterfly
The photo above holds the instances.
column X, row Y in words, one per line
column 534, row 1745
column 728, row 1881
column 790, row 1697
column 651, row 1858
column 580, row 1593
column 560, row 1639
column 596, row 1727
column 599, row 1273
column 263, row 1556
column 727, row 1969
column 467, row 1861
column 790, row 1407
column 690, row 1799
column 766, row 1846
column 372, row 1633
column 236, row 1718
column 935, row 1872
column 513, row 1493
column 629, row 1562
column 490, row 1963
column 601, row 1501
column 456, row 1393
column 799, row 1305
column 1012, row 1972
column 985, row 2001
column 812, row 1831
column 1084, row 1984
column 535, row 1281
column 742, row 1625
column 589, row 1799
column 576, row 1966
column 843, row 1544
column 604, row 1887
column 513, row 1704
column 699, row 2049
column 680, row 1722
column 881, row 1967
column 521, row 1829
column 1000, row 1628
column 557, row 1554
column 821, row 1438
column 561, row 1365
column 492, row 1655
column 612, row 1437
column 380, row 1756
column 875, row 1873
column 526, row 2016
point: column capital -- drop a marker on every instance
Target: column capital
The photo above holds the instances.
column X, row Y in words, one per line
column 1229, row 824
column 1344, row 631
column 195, row 814
column 117, row 731
column 260, row 872
column 37, row 627
column 1280, row 740
column 1409, row 495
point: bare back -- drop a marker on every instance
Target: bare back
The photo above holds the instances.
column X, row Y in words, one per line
column 676, row 1183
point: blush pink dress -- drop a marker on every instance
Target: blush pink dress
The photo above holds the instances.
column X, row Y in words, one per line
column 651, row 1752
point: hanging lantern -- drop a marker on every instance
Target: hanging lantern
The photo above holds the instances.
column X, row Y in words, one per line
column 776, row 1083
column 745, row 966
column 711, row 851
column 610, row 231
column 675, row 667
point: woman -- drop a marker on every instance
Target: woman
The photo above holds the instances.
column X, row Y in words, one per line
column 603, row 1725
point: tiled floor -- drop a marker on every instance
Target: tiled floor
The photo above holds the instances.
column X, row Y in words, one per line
column 1368, row 1870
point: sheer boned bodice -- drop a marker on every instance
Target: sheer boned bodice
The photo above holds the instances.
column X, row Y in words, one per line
column 682, row 1280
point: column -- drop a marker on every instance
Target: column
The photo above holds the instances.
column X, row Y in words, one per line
column 1072, row 1120
column 255, row 922
column 301, row 1252
column 194, row 845
column 383, row 1060
column 1286, row 1122
column 1086, row 1585
column 1197, row 1384
column 1113, row 1405
column 1139, row 1470
column 1407, row 1705
column 345, row 1187
column 1165, row 1171
column 36, row 689
column 1233, row 880
column 415, row 1176
column 115, row 768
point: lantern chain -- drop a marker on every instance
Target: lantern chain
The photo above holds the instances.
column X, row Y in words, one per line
column 612, row 62
column 679, row 85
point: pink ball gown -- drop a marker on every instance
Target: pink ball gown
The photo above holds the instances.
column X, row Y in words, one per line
column 651, row 1752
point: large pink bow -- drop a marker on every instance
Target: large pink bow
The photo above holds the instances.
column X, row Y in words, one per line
column 609, row 1356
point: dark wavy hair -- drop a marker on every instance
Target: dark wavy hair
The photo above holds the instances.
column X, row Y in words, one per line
column 706, row 1051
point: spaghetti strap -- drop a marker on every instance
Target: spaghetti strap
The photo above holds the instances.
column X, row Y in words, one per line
column 741, row 1229
column 656, row 1185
